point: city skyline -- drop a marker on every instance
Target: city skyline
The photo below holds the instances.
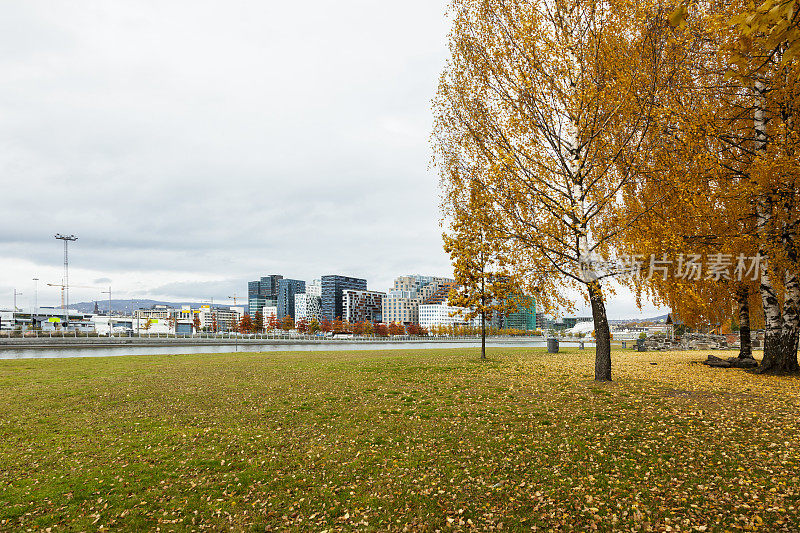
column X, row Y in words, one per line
column 188, row 159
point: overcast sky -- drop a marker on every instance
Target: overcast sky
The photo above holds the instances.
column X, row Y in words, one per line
column 192, row 146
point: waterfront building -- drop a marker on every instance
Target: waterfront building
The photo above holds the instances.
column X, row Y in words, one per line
column 287, row 289
column 544, row 322
column 166, row 319
column 46, row 319
column 443, row 314
column 307, row 306
column 262, row 292
column 524, row 317
column 401, row 305
column 268, row 312
column 362, row 306
column 333, row 287
column 314, row 287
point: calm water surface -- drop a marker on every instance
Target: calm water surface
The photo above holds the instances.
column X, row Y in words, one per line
column 48, row 352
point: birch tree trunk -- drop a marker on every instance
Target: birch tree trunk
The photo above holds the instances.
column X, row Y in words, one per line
column 787, row 362
column 773, row 320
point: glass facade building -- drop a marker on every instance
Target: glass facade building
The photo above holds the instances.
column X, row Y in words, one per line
column 524, row 318
column 287, row 289
column 262, row 292
column 333, row 288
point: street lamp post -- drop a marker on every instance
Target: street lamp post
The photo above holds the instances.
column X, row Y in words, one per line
column 109, row 308
column 67, row 239
column 36, row 295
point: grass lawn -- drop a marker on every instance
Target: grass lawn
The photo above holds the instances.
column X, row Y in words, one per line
column 417, row 440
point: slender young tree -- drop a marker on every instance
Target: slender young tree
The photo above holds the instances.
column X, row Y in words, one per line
column 484, row 286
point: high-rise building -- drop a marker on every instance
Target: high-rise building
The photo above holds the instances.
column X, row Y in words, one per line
column 287, row 289
column 263, row 292
column 362, row 306
column 401, row 305
column 332, row 288
column 314, row 287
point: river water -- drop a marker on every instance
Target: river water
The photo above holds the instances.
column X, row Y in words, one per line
column 49, row 352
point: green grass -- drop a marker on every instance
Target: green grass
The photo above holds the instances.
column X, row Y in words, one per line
column 417, row 440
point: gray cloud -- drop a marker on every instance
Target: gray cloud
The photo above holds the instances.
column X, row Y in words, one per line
column 194, row 145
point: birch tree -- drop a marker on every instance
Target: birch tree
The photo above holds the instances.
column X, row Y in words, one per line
column 737, row 110
column 537, row 106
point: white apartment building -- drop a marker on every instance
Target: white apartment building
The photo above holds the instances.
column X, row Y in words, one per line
column 308, row 306
column 445, row 315
column 269, row 311
column 220, row 319
column 314, row 288
column 164, row 319
column 402, row 302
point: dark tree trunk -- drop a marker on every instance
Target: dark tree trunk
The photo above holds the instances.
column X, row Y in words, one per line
column 483, row 335
column 602, row 358
column 745, row 342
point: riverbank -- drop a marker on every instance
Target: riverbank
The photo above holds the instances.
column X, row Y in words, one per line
column 145, row 340
column 100, row 347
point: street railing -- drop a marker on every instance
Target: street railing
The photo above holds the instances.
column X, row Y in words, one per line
column 251, row 337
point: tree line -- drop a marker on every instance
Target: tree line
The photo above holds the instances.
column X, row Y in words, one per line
column 256, row 324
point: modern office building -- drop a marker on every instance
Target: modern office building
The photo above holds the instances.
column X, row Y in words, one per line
column 524, row 317
column 307, row 306
column 440, row 294
column 401, row 305
column 219, row 318
column 362, row 306
column 442, row 314
column 314, row 287
column 47, row 319
column 333, row 287
column 287, row 289
column 544, row 322
column 262, row 293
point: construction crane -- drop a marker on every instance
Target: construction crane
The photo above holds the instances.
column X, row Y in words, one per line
column 234, row 297
column 63, row 287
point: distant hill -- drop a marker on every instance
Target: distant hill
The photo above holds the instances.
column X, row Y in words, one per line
column 118, row 306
